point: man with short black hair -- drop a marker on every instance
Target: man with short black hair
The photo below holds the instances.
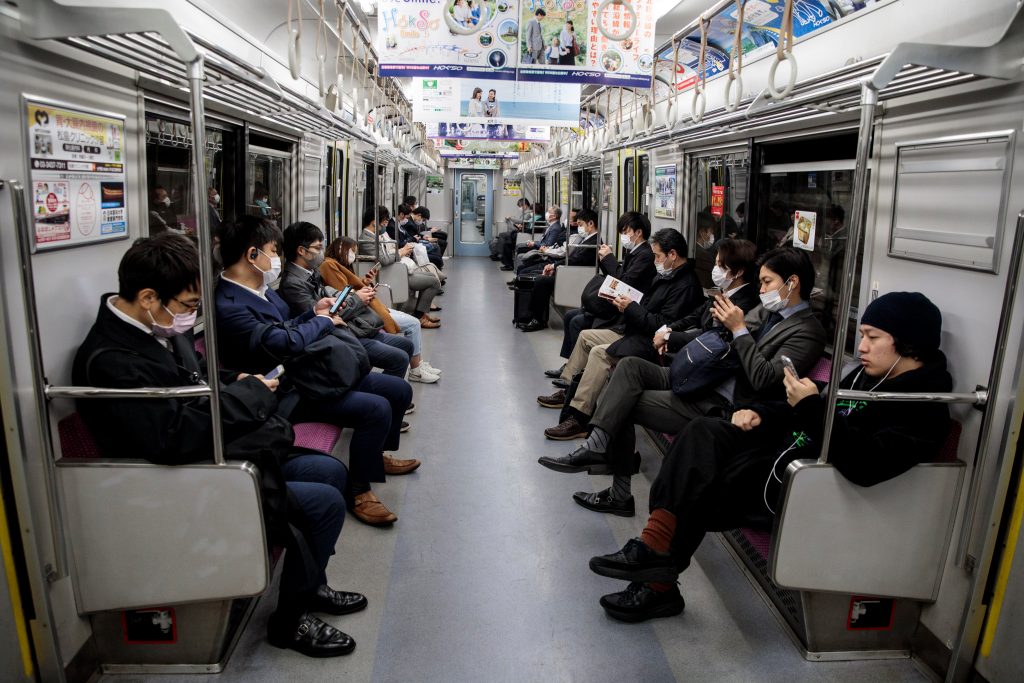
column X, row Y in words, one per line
column 302, row 286
column 142, row 337
column 534, row 38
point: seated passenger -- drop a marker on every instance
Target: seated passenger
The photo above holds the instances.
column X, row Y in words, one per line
column 722, row 474
column 675, row 293
column 424, row 283
column 161, row 214
column 533, row 260
column 336, row 274
column 257, row 332
column 518, row 223
column 301, row 287
column 581, row 252
column 639, row 392
column 142, row 337
column 636, row 270
column 436, row 237
column 553, row 234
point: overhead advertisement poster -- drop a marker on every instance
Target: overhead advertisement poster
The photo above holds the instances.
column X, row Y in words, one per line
column 77, row 175
column 516, row 103
column 762, row 20
column 487, row 149
column 467, row 38
column 604, row 42
column 489, row 131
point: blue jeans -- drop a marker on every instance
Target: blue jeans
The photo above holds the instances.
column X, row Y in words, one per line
column 316, row 483
column 410, row 327
column 374, row 411
column 389, row 352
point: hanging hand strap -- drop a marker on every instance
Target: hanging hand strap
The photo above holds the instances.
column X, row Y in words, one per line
column 737, row 58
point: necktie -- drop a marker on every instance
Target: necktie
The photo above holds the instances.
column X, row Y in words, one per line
column 773, row 319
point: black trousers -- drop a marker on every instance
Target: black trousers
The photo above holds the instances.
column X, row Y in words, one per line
column 713, row 479
column 576, row 320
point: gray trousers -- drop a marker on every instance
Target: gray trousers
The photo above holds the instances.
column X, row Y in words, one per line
column 423, row 288
column 638, row 393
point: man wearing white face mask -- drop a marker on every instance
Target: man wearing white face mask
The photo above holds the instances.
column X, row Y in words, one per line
column 161, row 215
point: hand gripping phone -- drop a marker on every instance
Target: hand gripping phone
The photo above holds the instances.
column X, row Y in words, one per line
column 787, row 364
column 275, row 373
column 342, row 295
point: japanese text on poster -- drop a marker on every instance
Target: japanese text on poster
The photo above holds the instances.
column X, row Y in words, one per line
column 717, row 200
column 512, row 188
column 665, row 191
column 454, row 101
column 77, row 167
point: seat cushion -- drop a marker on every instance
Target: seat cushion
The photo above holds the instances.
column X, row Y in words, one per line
column 317, row 436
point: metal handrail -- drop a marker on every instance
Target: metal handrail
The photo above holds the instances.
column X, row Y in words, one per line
column 54, row 499
column 977, row 398
column 190, row 391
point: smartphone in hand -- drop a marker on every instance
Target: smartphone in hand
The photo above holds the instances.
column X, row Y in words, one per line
column 787, row 364
column 342, row 295
column 275, row 373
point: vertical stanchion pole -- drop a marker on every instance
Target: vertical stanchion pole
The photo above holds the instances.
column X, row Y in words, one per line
column 195, row 79
column 868, row 103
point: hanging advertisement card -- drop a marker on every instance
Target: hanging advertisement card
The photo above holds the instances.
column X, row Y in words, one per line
column 489, row 148
column 804, row 223
column 489, row 131
column 512, row 188
column 435, row 184
column 759, row 35
column 465, row 38
column 605, row 42
column 488, row 102
column 606, row 193
column 717, row 200
column 564, row 190
column 77, row 174
column 665, row 191
column 480, row 164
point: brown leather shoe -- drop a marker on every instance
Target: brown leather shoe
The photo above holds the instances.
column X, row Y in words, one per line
column 369, row 510
column 555, row 400
column 399, row 466
column 432, row 318
column 427, row 323
column 570, row 429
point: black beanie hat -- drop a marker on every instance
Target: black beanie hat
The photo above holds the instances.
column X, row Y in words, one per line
column 908, row 316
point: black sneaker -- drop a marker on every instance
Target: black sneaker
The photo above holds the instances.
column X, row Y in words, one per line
column 636, row 562
column 554, row 373
column 640, row 602
column 602, row 501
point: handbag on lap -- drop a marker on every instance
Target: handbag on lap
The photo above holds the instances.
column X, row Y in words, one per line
column 705, row 362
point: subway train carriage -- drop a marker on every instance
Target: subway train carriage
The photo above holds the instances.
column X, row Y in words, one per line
column 495, row 340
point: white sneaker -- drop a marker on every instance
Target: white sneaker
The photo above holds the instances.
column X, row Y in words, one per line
column 421, row 375
column 430, row 368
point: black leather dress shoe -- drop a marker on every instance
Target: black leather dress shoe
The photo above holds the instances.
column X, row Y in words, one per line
column 337, row 602
column 602, row 501
column 580, row 460
column 640, row 602
column 554, row 373
column 533, row 326
column 560, row 383
column 636, row 562
column 312, row 637
column 506, row 268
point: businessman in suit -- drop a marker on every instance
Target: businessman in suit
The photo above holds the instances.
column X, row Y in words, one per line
column 535, row 39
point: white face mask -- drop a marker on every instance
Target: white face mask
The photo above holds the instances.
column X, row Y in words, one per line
column 351, row 256
column 662, row 268
column 166, row 201
column 773, row 301
column 269, row 276
column 627, row 243
column 216, row 199
column 720, row 276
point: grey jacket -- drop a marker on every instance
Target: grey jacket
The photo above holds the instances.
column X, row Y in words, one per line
column 534, row 36
column 800, row 336
column 367, row 246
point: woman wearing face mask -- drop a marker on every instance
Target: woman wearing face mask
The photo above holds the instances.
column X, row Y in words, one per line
column 726, row 473
column 337, row 272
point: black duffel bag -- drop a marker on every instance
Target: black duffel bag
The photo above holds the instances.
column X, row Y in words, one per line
column 594, row 304
column 327, row 368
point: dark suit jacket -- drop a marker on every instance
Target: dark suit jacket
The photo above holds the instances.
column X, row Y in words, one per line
column 175, row 431
column 800, row 336
column 700, row 320
column 555, row 234
column 636, row 270
column 585, row 256
column 239, row 312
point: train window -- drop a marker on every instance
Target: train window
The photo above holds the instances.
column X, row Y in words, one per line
column 629, row 183
column 718, row 208
column 170, row 180
column 644, row 196
column 542, row 187
column 807, row 204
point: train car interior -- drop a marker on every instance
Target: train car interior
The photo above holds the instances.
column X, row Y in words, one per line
column 359, row 191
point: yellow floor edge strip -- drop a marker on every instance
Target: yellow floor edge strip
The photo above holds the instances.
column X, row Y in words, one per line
column 992, row 620
column 15, row 592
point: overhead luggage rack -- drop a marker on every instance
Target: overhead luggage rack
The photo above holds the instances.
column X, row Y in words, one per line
column 228, row 80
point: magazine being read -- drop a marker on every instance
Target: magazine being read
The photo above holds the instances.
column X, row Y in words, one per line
column 612, row 287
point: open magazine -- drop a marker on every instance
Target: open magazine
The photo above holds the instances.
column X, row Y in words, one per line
column 612, row 287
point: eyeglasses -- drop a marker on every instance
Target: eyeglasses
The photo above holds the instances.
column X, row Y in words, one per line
column 310, row 247
column 191, row 307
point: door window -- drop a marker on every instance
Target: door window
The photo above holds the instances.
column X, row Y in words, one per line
column 718, row 208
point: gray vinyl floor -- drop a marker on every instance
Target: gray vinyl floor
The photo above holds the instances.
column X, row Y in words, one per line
column 485, row 578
